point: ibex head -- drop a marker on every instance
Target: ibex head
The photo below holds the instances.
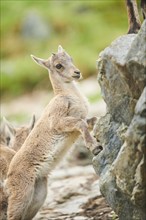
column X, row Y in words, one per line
column 60, row 64
column 15, row 137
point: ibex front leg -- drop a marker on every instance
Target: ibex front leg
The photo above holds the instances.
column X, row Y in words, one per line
column 91, row 122
column 71, row 124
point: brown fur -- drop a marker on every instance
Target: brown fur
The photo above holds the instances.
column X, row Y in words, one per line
column 17, row 137
column 6, row 155
column 3, row 203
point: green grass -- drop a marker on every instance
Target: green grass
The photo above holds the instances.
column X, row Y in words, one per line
column 83, row 28
column 20, row 118
column 94, row 98
column 18, row 77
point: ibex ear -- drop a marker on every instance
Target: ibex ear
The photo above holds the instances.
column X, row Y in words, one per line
column 32, row 123
column 41, row 62
column 9, row 126
column 60, row 49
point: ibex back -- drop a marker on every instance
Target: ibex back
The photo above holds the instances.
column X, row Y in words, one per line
column 62, row 121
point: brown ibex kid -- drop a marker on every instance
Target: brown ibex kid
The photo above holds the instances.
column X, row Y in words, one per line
column 63, row 120
column 10, row 142
column 11, row 139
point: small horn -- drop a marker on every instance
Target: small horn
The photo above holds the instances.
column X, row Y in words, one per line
column 60, row 49
column 32, row 122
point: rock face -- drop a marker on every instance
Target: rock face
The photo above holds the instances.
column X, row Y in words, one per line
column 122, row 131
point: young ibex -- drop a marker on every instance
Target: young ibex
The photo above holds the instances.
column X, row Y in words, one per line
column 10, row 142
column 62, row 121
column 13, row 136
column 5, row 133
column 133, row 15
column 6, row 155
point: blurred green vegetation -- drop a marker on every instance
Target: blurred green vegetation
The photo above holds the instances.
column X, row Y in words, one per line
column 83, row 28
column 93, row 98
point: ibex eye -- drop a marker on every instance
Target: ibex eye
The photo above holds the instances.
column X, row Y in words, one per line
column 58, row 66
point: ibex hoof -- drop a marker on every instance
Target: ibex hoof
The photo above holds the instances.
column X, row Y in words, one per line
column 97, row 150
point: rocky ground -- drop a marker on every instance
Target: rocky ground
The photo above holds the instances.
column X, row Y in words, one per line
column 73, row 187
column 73, row 194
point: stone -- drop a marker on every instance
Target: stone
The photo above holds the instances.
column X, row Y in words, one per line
column 122, row 131
column 34, row 28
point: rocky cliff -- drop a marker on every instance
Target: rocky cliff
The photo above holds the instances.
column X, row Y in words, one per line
column 122, row 131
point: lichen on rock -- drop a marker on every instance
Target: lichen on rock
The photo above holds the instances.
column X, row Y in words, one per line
column 122, row 131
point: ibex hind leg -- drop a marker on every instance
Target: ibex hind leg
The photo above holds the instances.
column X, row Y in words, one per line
column 18, row 203
column 39, row 196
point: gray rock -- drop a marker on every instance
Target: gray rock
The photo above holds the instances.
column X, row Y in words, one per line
column 33, row 27
column 122, row 131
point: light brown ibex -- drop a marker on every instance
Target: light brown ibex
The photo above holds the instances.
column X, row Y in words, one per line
column 61, row 123
column 13, row 136
column 10, row 142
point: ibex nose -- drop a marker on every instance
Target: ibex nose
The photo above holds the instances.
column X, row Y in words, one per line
column 77, row 72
